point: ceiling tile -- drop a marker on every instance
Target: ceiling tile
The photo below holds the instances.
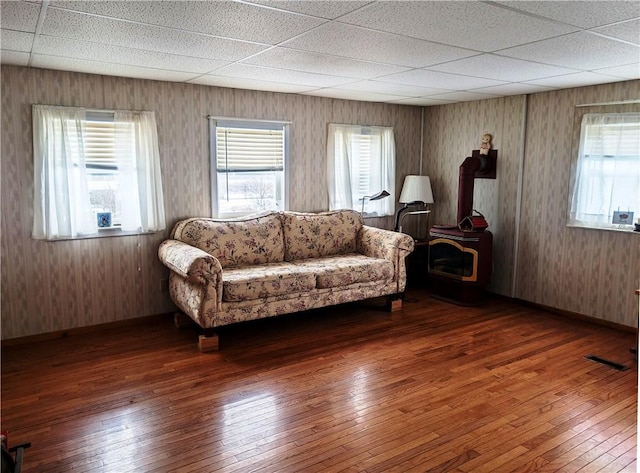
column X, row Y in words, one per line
column 247, row 71
column 467, row 24
column 222, row 18
column 582, row 50
column 422, row 101
column 252, row 84
column 16, row 40
column 497, row 67
column 439, row 80
column 513, row 89
column 337, row 93
column 53, row 46
column 414, row 52
column 579, row 79
column 19, row 16
column 94, row 67
column 121, row 33
column 389, row 88
column 283, row 58
column 630, row 71
column 627, row 31
column 464, row 96
column 14, row 58
column 580, row 13
column 360, row 43
column 329, row 9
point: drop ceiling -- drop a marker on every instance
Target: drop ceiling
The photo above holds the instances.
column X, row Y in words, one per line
column 404, row 52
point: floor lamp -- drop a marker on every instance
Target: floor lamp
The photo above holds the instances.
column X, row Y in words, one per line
column 380, row 195
column 416, row 192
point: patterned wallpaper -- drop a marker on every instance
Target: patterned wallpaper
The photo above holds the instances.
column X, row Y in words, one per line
column 50, row 286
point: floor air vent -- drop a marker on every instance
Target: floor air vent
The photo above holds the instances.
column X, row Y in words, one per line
column 612, row 364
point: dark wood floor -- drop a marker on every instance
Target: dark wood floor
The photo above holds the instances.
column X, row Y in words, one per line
column 497, row 388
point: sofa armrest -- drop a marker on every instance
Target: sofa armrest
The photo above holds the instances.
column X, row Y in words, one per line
column 392, row 246
column 190, row 262
column 381, row 243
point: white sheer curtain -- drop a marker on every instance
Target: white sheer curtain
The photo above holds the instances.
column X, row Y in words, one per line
column 607, row 171
column 61, row 193
column 140, row 180
column 62, row 199
column 361, row 162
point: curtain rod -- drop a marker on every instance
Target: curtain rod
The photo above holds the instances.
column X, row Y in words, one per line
column 256, row 120
column 93, row 109
column 620, row 102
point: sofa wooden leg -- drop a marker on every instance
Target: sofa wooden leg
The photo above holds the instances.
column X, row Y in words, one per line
column 208, row 342
column 181, row 320
column 394, row 304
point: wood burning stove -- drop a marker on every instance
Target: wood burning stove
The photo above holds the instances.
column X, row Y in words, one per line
column 460, row 257
column 460, row 264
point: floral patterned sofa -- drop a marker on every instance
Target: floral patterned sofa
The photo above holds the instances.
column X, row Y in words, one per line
column 228, row 271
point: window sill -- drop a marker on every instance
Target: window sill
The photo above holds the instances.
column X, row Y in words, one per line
column 102, row 233
column 620, row 229
column 374, row 215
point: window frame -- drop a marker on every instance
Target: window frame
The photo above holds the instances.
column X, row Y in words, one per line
column 337, row 199
column 580, row 113
column 142, row 124
column 248, row 123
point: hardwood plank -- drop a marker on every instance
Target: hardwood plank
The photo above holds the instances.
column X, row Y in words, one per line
column 630, row 468
column 500, row 387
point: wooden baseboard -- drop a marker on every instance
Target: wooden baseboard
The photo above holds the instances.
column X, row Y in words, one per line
column 576, row 316
column 76, row 331
column 149, row 319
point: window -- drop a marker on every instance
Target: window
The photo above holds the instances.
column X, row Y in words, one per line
column 95, row 166
column 361, row 163
column 248, row 165
column 607, row 170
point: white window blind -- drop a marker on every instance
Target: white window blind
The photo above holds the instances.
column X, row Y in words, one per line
column 613, row 138
column 365, row 143
column 249, row 149
column 99, row 140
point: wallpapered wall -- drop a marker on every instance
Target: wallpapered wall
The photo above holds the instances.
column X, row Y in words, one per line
column 591, row 272
column 536, row 257
column 49, row 286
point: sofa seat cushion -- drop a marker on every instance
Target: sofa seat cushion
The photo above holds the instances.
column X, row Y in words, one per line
column 265, row 280
column 342, row 270
column 314, row 235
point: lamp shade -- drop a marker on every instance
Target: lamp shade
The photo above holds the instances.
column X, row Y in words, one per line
column 416, row 189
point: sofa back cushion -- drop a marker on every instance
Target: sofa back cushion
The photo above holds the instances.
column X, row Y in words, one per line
column 235, row 243
column 314, row 235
